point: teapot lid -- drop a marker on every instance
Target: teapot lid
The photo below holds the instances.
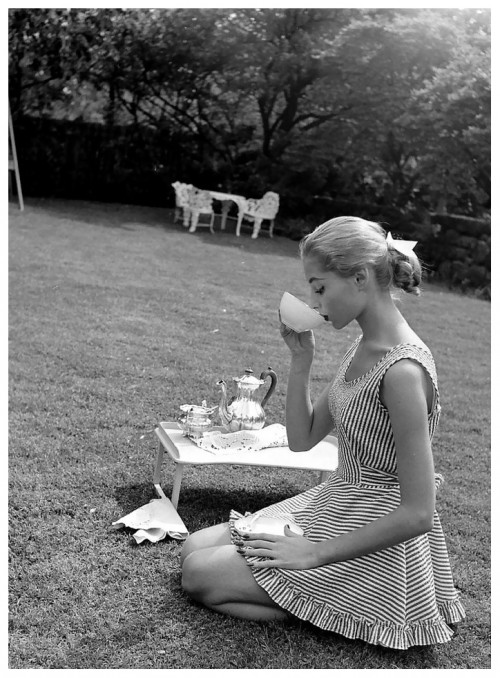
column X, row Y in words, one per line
column 248, row 379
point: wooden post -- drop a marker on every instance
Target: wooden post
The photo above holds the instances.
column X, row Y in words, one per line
column 13, row 164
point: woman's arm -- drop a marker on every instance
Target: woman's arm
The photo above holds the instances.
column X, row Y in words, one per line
column 404, row 393
column 306, row 424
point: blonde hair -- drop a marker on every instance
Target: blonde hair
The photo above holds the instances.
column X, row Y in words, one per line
column 347, row 244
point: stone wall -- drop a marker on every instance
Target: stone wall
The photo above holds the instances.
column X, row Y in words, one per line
column 457, row 250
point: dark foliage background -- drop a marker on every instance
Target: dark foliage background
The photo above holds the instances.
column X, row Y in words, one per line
column 383, row 113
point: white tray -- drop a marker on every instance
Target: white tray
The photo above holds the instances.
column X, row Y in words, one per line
column 322, row 457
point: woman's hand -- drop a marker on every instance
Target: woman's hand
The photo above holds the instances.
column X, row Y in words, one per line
column 290, row 552
column 300, row 344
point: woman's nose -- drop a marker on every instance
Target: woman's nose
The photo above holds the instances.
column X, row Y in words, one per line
column 314, row 302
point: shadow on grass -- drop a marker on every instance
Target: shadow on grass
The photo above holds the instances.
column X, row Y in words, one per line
column 201, row 507
column 131, row 497
column 129, row 217
column 111, row 215
column 279, row 245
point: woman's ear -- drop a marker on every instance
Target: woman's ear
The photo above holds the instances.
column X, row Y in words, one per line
column 361, row 278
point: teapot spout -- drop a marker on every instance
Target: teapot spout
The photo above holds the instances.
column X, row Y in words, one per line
column 224, row 414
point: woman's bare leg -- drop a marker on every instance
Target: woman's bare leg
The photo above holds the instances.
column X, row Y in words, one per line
column 219, row 578
column 218, row 535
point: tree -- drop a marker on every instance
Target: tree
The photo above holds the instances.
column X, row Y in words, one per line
column 405, row 69
column 381, row 104
column 452, row 113
column 36, row 56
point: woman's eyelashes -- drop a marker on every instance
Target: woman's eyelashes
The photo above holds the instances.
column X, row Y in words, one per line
column 320, row 290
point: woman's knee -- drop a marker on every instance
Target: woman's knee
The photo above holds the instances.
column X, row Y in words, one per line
column 212, row 576
column 205, row 538
column 188, row 547
column 194, row 575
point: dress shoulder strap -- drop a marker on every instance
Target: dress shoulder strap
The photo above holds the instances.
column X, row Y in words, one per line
column 420, row 354
column 350, row 353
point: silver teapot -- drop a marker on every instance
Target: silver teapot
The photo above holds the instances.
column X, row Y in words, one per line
column 245, row 411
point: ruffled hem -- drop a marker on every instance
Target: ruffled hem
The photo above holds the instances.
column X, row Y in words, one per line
column 388, row 634
column 452, row 611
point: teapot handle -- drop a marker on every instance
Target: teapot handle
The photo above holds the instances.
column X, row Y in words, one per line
column 269, row 373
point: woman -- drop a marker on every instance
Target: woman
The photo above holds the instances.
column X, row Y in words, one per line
column 372, row 560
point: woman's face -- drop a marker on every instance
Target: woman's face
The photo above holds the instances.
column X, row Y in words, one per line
column 338, row 299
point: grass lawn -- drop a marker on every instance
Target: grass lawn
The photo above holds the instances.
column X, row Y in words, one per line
column 116, row 317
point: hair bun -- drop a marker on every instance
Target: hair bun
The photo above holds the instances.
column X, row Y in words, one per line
column 406, row 272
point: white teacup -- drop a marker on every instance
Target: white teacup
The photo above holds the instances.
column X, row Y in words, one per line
column 297, row 315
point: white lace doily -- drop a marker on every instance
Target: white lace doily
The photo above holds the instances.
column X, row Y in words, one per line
column 219, row 442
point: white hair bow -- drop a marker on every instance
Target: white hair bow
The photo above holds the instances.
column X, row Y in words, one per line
column 403, row 246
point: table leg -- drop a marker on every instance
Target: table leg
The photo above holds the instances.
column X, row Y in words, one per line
column 256, row 228
column 157, row 472
column 179, row 470
column 176, row 488
column 159, row 462
column 238, row 225
column 226, row 204
column 186, row 216
column 194, row 221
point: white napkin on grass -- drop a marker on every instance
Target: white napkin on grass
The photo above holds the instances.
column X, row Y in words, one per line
column 218, row 442
column 154, row 521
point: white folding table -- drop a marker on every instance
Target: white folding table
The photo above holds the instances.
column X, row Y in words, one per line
column 322, row 457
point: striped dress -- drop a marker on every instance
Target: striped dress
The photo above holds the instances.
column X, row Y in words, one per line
column 397, row 597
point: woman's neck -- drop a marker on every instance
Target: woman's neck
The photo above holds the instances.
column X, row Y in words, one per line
column 382, row 323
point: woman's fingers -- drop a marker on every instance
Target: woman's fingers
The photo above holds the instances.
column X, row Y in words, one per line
column 265, row 563
column 260, row 536
column 256, row 544
column 252, row 546
column 285, row 331
column 259, row 553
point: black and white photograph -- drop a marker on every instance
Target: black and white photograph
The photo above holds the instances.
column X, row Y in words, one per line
column 248, row 339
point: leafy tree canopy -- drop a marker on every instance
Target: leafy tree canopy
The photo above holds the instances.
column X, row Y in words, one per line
column 389, row 104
